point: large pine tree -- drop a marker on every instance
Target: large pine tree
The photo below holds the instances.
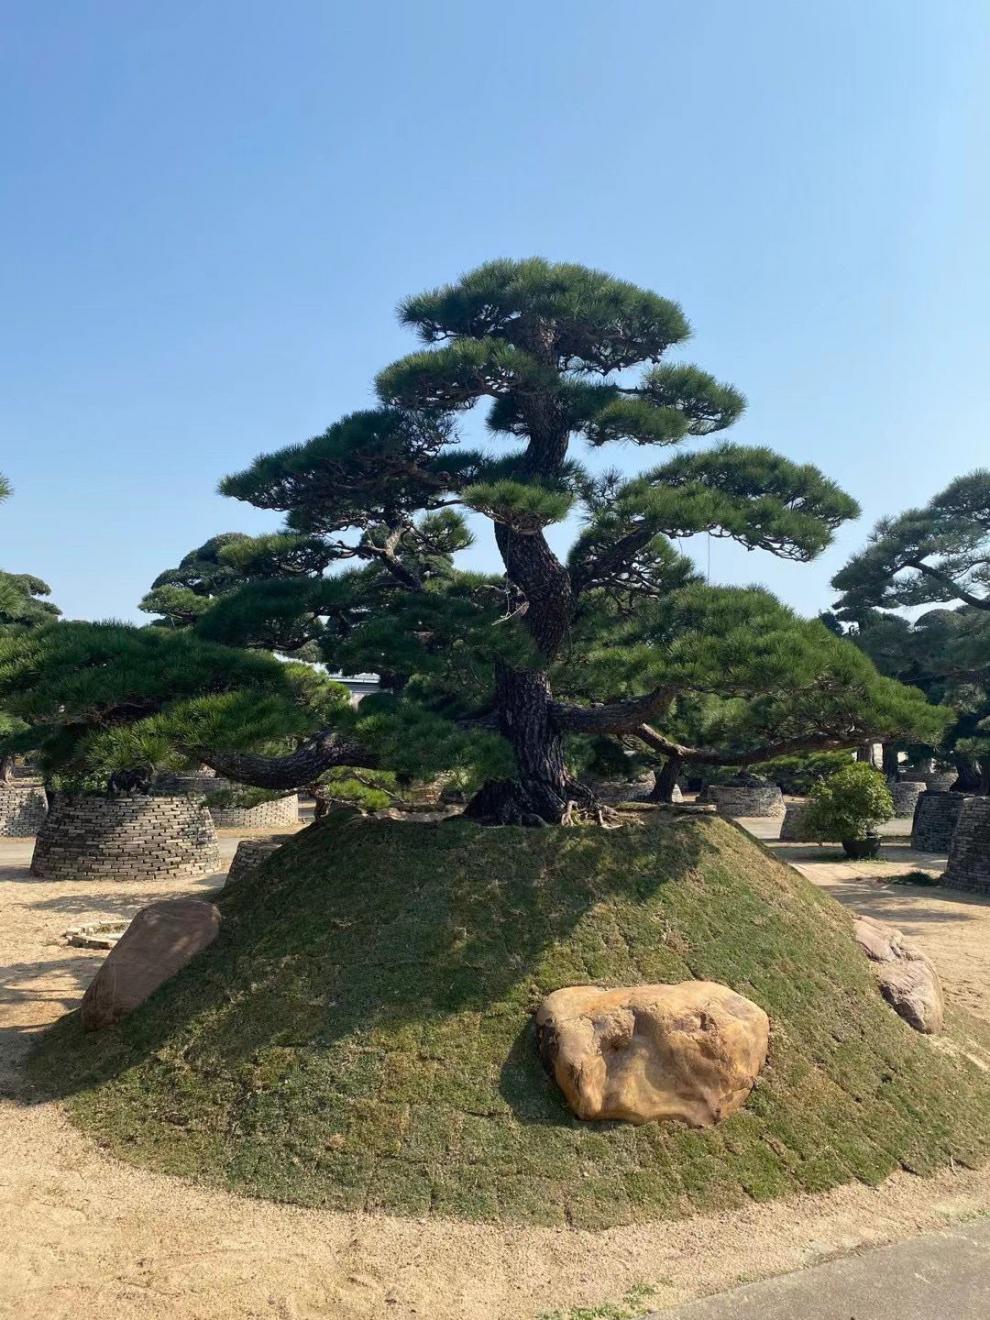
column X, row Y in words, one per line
column 565, row 356
column 502, row 676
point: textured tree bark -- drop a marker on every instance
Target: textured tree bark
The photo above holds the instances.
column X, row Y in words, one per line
column 541, row 790
column 974, row 776
column 6, row 769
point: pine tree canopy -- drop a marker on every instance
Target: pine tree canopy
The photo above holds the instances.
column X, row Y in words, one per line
column 497, row 675
column 20, row 600
column 747, row 680
column 940, row 553
column 945, row 654
column 554, row 350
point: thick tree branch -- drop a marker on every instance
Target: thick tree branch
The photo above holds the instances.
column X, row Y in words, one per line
column 959, row 592
column 317, row 754
column 821, row 742
column 610, row 563
column 617, row 717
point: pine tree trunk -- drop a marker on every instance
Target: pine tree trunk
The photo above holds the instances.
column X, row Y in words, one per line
column 890, row 761
column 6, row 769
column 665, row 780
column 541, row 790
column 973, row 776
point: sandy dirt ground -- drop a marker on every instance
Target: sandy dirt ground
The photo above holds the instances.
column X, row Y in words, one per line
column 82, row 1236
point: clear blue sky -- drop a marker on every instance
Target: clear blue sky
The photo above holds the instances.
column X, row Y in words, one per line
column 210, row 210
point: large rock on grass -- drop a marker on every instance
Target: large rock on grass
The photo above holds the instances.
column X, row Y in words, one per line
column 161, row 939
column 907, row 978
column 688, row 1052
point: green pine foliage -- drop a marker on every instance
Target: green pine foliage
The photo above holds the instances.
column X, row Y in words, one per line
column 939, row 553
column 94, row 697
column 616, row 637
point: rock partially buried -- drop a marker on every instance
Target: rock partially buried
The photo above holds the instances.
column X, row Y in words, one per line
column 161, row 939
column 688, row 1052
column 907, row 979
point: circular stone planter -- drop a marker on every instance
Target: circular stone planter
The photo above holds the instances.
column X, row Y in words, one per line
column 266, row 815
column 125, row 838
column 969, row 855
column 862, row 850
column 250, row 855
column 941, row 782
column 747, row 800
column 935, row 819
column 905, row 794
column 792, row 829
column 23, row 808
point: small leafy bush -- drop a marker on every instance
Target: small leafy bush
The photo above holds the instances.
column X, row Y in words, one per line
column 849, row 804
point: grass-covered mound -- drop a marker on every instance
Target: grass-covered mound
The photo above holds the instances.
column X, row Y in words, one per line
column 360, row 1034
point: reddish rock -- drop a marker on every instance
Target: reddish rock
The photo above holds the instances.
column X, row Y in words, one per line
column 161, row 939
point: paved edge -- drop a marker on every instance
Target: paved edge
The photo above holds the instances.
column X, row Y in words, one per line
column 940, row 1275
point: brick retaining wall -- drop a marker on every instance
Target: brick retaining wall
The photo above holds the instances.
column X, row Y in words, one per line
column 763, row 800
column 935, row 819
column 792, row 829
column 249, row 856
column 23, row 807
column 135, row 837
column 969, row 856
column 266, row 815
column 905, row 794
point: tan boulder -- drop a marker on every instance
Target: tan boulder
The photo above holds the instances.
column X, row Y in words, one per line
column 161, row 939
column 689, row 1052
column 906, row 976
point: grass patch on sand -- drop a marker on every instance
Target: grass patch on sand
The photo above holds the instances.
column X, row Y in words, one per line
column 360, row 1034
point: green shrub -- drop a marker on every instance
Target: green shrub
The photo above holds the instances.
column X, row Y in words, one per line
column 849, row 804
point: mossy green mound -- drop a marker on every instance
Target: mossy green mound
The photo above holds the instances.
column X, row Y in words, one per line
column 360, row 1035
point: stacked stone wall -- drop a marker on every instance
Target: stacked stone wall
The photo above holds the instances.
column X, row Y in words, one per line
column 23, row 808
column 762, row 800
column 250, row 855
column 125, row 838
column 905, row 794
column 275, row 814
column 969, row 855
column 935, row 819
column 792, row 829
column 266, row 815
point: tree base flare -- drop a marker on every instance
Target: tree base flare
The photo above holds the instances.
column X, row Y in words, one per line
column 511, row 802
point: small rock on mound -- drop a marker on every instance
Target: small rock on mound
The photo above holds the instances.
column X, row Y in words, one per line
column 688, row 1052
column 161, row 939
column 907, row 978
